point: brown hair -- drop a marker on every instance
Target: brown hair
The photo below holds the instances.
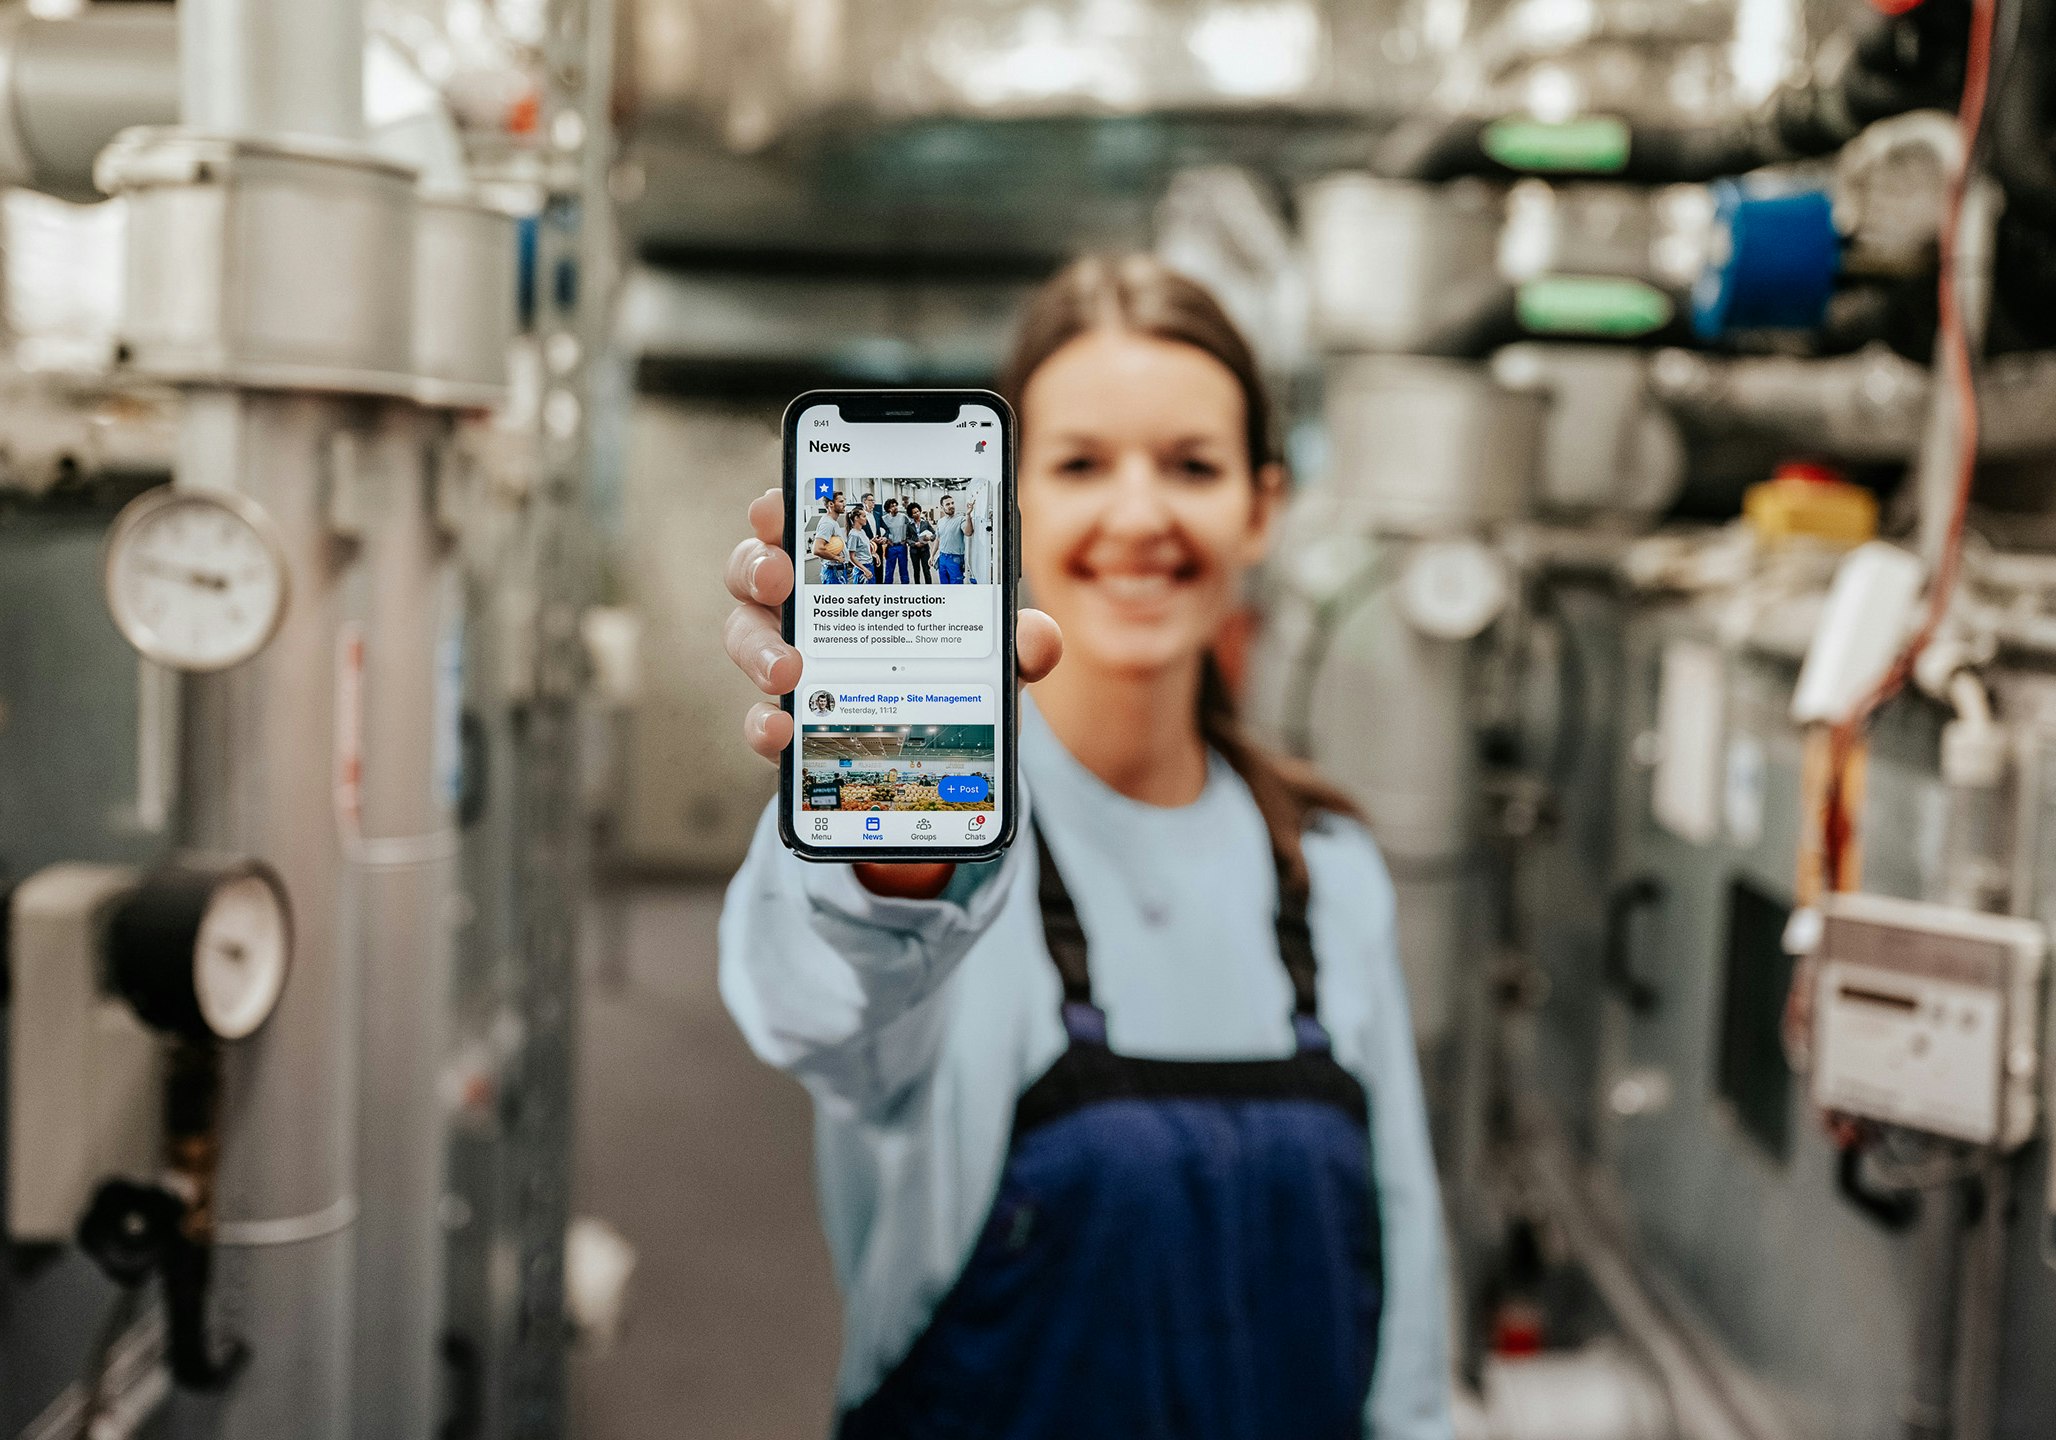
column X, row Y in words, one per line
column 1140, row 293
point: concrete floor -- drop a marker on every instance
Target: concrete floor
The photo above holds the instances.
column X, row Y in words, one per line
column 699, row 1154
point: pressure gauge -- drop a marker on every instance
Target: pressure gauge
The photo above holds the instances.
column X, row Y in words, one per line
column 195, row 579
column 1452, row 589
column 203, row 952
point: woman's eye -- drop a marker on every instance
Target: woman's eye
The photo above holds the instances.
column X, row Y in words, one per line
column 1196, row 467
column 1077, row 465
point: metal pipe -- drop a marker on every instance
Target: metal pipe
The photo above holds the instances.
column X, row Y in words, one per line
column 1935, row 473
column 264, row 744
column 263, row 69
column 1938, row 1246
column 1866, row 406
column 407, row 860
column 67, row 87
column 260, row 745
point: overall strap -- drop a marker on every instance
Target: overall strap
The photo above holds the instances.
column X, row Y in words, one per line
column 1061, row 928
column 1065, row 935
column 1296, row 943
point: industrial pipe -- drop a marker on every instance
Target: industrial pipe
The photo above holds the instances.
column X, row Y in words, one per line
column 2019, row 153
column 262, row 745
column 259, row 754
column 1867, row 406
column 1895, row 63
column 67, row 87
column 406, row 862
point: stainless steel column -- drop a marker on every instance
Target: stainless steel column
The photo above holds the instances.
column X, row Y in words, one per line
column 273, row 68
column 261, row 752
column 259, row 748
column 407, row 863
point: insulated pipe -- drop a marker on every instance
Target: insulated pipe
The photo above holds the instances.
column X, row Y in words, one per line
column 260, row 69
column 407, row 860
column 67, row 87
column 1935, row 475
column 259, row 755
column 1867, row 406
column 2020, row 154
column 1391, row 723
column 263, row 746
column 1891, row 65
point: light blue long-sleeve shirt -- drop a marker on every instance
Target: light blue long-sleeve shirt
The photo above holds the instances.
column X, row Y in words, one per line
column 916, row 1024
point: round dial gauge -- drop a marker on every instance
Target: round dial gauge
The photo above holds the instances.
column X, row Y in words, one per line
column 1452, row 589
column 203, row 951
column 240, row 954
column 195, row 580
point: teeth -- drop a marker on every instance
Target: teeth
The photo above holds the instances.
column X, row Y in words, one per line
column 1136, row 587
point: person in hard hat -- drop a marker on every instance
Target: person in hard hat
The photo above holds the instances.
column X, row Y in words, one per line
column 1120, row 1137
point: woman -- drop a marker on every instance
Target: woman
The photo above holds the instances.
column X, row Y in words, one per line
column 920, row 535
column 1119, row 1135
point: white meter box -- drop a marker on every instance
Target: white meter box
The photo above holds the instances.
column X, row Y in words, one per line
column 1928, row 1017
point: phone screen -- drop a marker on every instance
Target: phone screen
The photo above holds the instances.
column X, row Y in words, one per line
column 899, row 518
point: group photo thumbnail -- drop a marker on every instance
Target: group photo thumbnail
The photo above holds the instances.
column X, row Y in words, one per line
column 897, row 767
column 928, row 531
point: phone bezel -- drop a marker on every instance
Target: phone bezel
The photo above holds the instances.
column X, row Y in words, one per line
column 927, row 407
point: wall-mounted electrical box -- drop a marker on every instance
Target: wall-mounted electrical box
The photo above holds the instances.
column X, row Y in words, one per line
column 84, row 1075
column 1928, row 1017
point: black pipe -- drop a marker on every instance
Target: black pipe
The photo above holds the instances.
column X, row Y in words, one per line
column 1896, row 63
column 1489, row 319
column 2020, row 155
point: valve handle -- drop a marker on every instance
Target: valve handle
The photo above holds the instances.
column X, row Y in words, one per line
column 133, row 1231
column 1644, row 892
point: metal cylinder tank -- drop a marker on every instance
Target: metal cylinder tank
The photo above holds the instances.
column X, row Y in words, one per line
column 1387, row 258
column 1421, row 446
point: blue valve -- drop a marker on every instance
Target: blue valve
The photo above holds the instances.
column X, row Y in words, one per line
column 1774, row 262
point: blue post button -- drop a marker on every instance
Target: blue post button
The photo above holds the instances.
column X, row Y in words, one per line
column 963, row 789
column 824, row 488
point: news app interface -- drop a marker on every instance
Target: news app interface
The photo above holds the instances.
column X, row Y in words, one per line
column 901, row 542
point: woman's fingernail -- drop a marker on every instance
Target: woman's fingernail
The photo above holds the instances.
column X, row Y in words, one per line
column 769, row 656
column 756, row 569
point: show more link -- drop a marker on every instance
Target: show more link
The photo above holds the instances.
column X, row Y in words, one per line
column 897, row 767
column 932, row 531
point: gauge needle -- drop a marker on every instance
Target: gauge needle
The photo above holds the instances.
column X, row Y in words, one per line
column 203, row 578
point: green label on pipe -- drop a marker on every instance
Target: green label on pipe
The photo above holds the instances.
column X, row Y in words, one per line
column 1595, row 144
column 1591, row 305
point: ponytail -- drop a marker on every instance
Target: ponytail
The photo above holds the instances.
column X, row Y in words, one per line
column 1288, row 792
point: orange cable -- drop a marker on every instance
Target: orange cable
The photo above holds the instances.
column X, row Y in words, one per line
column 1955, row 343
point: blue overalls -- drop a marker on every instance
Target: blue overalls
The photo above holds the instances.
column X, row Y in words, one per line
column 1179, row 1249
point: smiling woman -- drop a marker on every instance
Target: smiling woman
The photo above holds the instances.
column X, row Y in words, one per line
column 1047, row 1087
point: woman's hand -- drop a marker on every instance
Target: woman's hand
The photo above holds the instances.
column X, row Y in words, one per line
column 760, row 577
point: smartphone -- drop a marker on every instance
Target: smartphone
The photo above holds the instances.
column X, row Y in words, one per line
column 900, row 519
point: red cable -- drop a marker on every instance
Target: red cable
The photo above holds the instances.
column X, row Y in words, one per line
column 1955, row 348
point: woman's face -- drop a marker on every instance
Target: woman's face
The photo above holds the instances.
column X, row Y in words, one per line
column 1139, row 512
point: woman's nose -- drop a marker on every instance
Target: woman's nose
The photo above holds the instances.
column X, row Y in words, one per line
column 1138, row 504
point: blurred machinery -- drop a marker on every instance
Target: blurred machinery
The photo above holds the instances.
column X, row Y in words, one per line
column 1716, row 820
column 294, row 549
column 1672, row 389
